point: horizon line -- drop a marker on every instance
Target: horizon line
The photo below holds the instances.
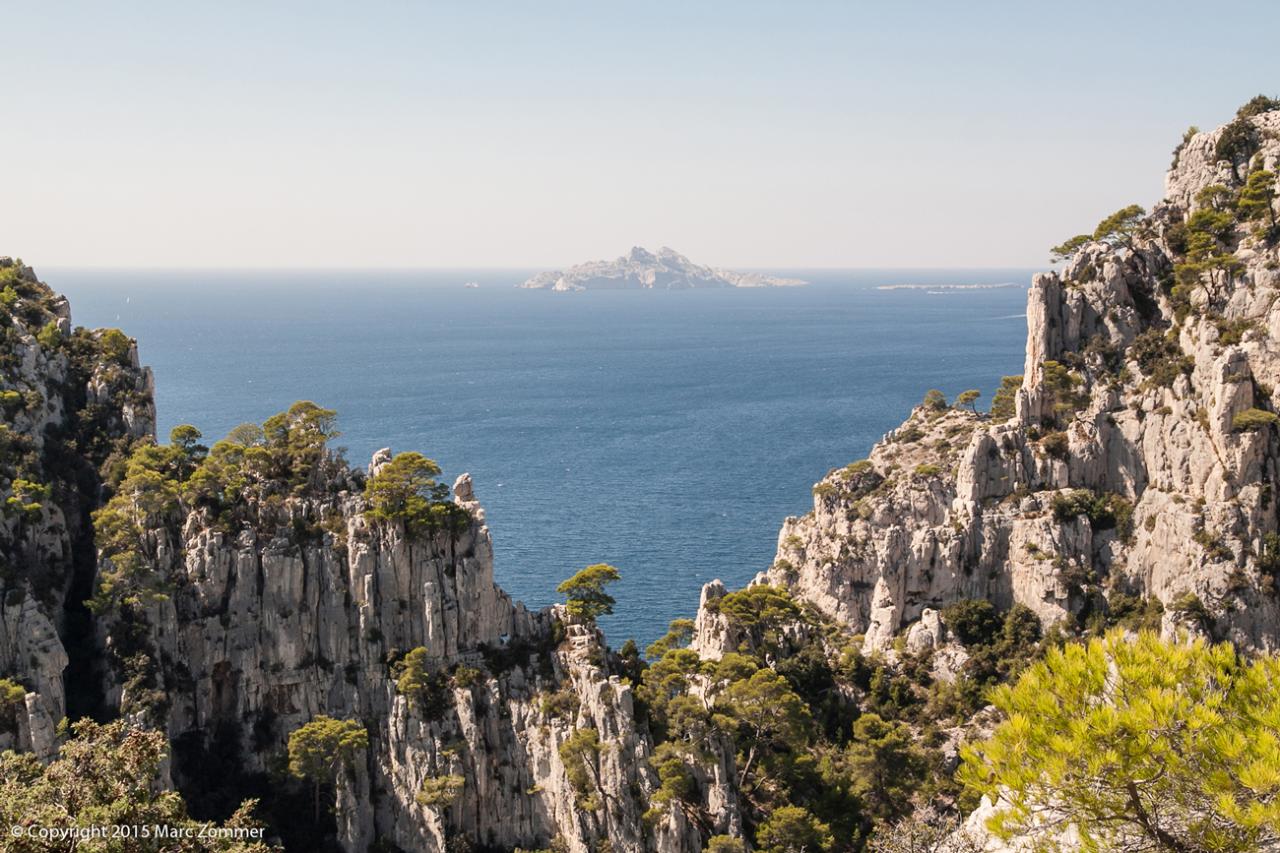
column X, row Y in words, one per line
column 513, row 268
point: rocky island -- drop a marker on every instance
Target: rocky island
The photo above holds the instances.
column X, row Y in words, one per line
column 1048, row 626
column 645, row 270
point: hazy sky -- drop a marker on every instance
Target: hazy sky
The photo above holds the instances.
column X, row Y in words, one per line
column 783, row 134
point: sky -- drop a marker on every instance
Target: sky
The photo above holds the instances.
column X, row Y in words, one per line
column 488, row 134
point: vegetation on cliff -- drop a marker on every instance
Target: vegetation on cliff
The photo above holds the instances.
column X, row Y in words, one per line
column 104, row 791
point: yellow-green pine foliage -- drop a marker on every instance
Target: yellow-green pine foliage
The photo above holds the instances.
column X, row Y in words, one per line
column 1138, row 743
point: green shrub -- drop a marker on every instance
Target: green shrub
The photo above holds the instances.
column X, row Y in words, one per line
column 1252, row 420
column 50, row 336
column 1105, row 511
column 934, row 400
column 12, row 695
column 1064, row 388
column 562, row 704
column 1159, row 357
column 114, row 345
column 467, row 676
column 440, row 792
column 973, row 621
column 405, row 491
column 416, row 681
column 1056, row 444
column 1237, row 142
column 1134, row 613
column 1004, row 402
column 1189, row 604
column 1257, row 105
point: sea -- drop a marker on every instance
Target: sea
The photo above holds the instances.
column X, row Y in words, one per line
column 668, row 433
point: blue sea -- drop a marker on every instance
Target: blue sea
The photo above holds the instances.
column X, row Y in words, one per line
column 667, row 433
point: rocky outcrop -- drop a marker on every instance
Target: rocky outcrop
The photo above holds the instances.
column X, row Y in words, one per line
column 644, row 270
column 1119, row 463
column 70, row 399
column 265, row 626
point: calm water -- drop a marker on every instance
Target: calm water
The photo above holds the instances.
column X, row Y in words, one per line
column 668, row 433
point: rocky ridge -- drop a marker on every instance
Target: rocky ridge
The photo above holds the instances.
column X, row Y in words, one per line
column 645, row 270
column 1120, row 461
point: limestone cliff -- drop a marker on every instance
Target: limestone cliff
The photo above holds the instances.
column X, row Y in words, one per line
column 301, row 610
column 72, row 401
column 1136, row 454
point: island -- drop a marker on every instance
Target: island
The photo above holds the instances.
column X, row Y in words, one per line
column 644, row 270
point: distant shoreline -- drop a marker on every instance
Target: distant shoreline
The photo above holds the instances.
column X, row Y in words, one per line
column 939, row 287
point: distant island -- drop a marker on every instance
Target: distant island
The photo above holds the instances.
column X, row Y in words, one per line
column 642, row 269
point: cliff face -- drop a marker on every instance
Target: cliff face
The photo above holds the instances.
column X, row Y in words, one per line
column 1128, row 459
column 71, row 400
column 301, row 610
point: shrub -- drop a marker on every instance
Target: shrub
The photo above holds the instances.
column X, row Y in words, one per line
column 50, row 337
column 1063, row 386
column 1252, row 420
column 580, row 755
column 792, row 828
column 934, row 400
column 1056, row 444
column 1237, row 142
column 12, row 695
column 416, row 682
column 927, row 469
column 440, row 792
column 1134, row 613
column 1189, row 604
column 1004, row 402
column 467, row 676
column 562, row 704
column 114, row 346
column 973, row 621
column 1159, row 357
column 1257, row 105
column 1104, row 510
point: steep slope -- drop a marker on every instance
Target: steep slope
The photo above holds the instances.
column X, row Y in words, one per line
column 1136, row 455
column 261, row 592
column 73, row 401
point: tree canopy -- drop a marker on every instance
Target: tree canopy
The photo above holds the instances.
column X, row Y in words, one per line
column 584, row 593
column 1138, row 743
column 319, row 749
column 405, row 490
column 1118, row 229
column 108, row 774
